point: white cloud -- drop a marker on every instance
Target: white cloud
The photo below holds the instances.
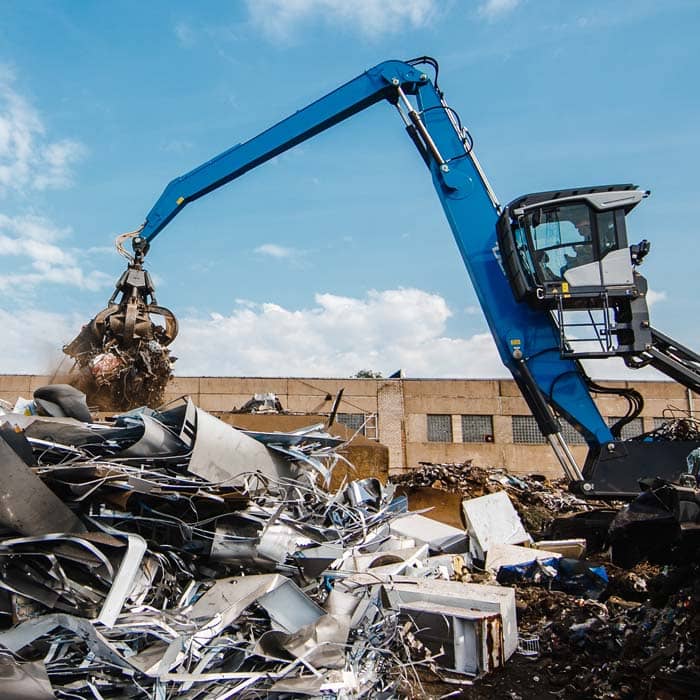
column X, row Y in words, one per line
column 29, row 160
column 32, row 340
column 384, row 331
column 338, row 336
column 279, row 19
column 31, row 242
column 615, row 368
column 654, row 297
column 494, row 9
column 276, row 251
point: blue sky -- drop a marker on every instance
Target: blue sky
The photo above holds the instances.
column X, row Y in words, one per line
column 336, row 255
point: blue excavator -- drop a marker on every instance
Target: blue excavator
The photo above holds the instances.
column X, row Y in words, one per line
column 554, row 272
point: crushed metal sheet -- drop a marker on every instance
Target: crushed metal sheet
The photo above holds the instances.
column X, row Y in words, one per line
column 492, row 519
column 320, row 643
column 24, row 634
column 26, row 680
column 62, row 400
column 220, row 453
column 123, row 581
column 156, row 440
column 289, row 608
column 27, row 505
column 384, row 561
column 439, row 537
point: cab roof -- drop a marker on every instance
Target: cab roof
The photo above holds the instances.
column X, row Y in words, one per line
column 528, row 200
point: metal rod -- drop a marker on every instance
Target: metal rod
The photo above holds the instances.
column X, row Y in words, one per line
column 565, row 457
column 415, row 118
column 334, row 408
column 404, row 118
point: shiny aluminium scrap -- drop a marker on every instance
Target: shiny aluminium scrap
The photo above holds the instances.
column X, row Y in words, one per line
column 191, row 559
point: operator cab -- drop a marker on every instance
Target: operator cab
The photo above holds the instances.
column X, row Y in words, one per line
column 569, row 248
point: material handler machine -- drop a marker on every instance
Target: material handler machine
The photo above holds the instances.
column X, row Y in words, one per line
column 555, row 273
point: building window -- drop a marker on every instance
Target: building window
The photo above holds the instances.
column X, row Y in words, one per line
column 439, row 428
column 526, row 430
column 570, row 434
column 354, row 421
column 630, row 430
column 477, row 429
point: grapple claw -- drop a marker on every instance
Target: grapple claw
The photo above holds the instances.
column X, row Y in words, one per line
column 122, row 352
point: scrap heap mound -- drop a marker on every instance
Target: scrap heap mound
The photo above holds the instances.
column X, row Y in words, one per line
column 633, row 634
column 167, row 554
column 537, row 499
column 118, row 378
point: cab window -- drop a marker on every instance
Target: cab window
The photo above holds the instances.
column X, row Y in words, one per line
column 607, row 235
column 523, row 248
column 561, row 239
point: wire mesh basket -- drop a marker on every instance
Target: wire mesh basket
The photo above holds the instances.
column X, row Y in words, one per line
column 529, row 646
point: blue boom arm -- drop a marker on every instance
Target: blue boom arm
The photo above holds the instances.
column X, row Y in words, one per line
column 527, row 340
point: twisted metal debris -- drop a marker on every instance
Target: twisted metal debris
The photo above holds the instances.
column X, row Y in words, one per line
column 118, row 378
column 155, row 564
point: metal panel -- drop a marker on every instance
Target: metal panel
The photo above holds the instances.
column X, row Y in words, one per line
column 438, row 536
column 27, row 505
column 220, row 453
column 471, row 642
column 289, row 608
column 492, row 519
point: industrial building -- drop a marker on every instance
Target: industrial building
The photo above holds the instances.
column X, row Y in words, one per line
column 419, row 420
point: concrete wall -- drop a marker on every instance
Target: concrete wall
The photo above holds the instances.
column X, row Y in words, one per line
column 400, row 408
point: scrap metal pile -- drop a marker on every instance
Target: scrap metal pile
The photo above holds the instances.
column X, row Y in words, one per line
column 117, row 377
column 166, row 554
column 538, row 500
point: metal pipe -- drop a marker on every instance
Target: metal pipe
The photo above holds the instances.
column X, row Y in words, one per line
column 404, row 118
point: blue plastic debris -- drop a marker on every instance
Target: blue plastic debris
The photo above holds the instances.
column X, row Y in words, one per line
column 569, row 575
